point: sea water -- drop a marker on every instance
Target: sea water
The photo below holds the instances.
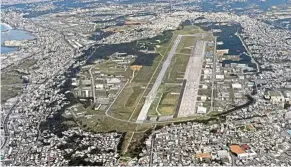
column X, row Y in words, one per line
column 8, row 33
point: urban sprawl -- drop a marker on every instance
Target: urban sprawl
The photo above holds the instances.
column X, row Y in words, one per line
column 194, row 103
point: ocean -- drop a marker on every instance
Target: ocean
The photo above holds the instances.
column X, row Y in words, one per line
column 8, row 33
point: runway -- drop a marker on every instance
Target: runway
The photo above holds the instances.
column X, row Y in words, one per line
column 152, row 94
column 192, row 77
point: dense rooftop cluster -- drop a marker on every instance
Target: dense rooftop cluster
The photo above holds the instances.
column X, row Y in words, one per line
column 252, row 141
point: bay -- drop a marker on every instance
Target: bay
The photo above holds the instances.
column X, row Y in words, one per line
column 8, row 33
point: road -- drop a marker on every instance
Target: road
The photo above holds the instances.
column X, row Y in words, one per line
column 248, row 51
column 5, row 128
column 152, row 94
column 93, row 84
column 152, row 146
column 213, row 74
column 108, row 109
column 13, row 85
column 93, row 79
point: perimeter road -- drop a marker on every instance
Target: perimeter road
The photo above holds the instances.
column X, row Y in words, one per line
column 248, row 51
column 213, row 73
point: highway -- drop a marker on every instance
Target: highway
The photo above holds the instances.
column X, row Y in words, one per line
column 93, row 79
column 192, row 77
column 152, row 94
column 13, row 85
column 93, row 85
column 5, row 128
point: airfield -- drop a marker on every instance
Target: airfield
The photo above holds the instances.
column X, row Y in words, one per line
column 176, row 77
column 170, row 87
column 191, row 78
column 176, row 86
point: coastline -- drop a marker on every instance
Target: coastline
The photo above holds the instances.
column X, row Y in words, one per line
column 7, row 26
column 9, row 33
column 249, row 53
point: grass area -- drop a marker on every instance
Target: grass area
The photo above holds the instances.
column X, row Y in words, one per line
column 186, row 50
column 119, row 108
column 165, row 102
column 109, row 67
column 136, row 144
column 169, row 102
column 9, row 92
column 169, row 99
column 167, row 109
column 133, row 97
column 153, row 109
column 190, row 30
column 127, row 101
column 195, row 118
column 206, row 92
column 186, row 45
column 142, row 78
column 10, row 76
column 146, row 72
column 213, row 113
column 101, row 123
column 177, row 69
column 126, row 142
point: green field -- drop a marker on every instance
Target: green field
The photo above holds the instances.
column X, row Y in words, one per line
column 108, row 67
column 124, row 107
column 126, row 102
column 133, row 97
column 101, row 123
column 167, row 110
column 146, row 72
column 168, row 104
column 186, row 45
column 176, row 71
column 11, row 81
column 169, row 99
column 165, row 102
column 129, row 103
